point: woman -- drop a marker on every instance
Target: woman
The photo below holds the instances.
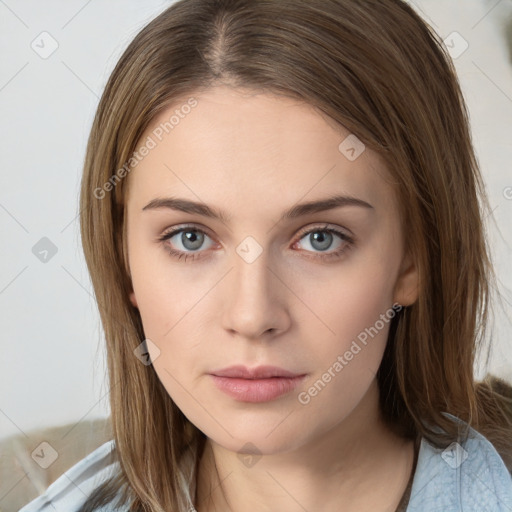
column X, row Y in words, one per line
column 281, row 215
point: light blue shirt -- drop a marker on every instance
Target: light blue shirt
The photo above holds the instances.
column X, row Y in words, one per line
column 466, row 477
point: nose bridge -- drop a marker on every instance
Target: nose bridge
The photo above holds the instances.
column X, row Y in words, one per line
column 254, row 303
column 251, row 269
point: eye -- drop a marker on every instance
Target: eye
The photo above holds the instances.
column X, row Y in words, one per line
column 325, row 240
column 192, row 239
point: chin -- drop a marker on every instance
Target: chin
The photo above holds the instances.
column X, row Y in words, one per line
column 258, row 439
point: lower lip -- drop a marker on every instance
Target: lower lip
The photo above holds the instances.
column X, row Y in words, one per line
column 256, row 390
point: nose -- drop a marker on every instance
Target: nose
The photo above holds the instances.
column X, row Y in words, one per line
column 255, row 304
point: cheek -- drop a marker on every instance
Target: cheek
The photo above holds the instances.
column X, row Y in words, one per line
column 351, row 320
column 349, row 299
column 174, row 302
column 166, row 292
column 345, row 358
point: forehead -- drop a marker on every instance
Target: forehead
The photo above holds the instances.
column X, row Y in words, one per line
column 253, row 146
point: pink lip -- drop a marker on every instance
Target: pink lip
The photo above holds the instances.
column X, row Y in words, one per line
column 260, row 372
column 260, row 384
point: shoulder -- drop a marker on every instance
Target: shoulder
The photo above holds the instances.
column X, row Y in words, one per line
column 74, row 486
column 468, row 475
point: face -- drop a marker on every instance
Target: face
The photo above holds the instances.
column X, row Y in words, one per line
column 310, row 292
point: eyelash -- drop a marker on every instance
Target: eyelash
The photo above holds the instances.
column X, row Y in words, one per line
column 195, row 255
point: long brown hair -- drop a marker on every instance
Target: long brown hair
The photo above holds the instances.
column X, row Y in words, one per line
column 376, row 68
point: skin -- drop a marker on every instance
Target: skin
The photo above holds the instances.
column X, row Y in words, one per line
column 256, row 155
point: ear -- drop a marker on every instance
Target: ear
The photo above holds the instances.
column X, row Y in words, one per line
column 133, row 300
column 407, row 285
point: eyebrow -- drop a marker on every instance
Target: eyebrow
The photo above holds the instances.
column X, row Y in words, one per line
column 299, row 210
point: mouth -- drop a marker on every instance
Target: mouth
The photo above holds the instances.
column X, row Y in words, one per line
column 261, row 384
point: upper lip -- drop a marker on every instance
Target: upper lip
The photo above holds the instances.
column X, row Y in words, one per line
column 260, row 372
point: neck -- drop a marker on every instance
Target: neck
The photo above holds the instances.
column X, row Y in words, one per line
column 360, row 463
